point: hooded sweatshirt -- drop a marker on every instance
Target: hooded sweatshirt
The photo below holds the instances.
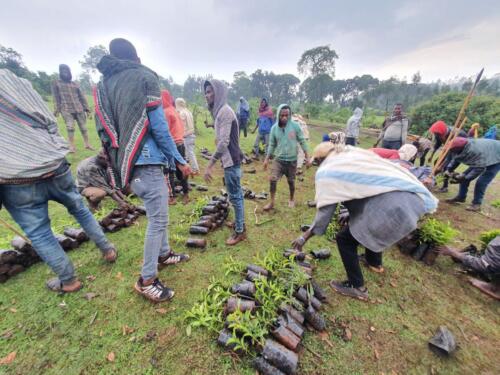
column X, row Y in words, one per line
column 226, row 127
column 354, row 123
column 173, row 119
column 186, row 116
column 283, row 141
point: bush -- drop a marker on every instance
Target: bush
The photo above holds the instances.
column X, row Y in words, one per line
column 483, row 109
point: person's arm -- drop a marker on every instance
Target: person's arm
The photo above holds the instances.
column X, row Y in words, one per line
column 225, row 122
column 324, row 216
column 382, row 132
column 83, row 100
column 404, row 131
column 452, row 165
column 57, row 98
column 256, row 126
column 303, row 144
column 161, row 135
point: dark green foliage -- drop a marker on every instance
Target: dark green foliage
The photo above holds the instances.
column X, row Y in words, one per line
column 482, row 109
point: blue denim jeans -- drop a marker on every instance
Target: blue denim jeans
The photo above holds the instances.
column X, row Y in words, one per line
column 392, row 145
column 149, row 184
column 28, row 206
column 232, row 177
column 481, row 184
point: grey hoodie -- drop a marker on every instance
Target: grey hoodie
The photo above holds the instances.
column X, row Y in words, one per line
column 226, row 127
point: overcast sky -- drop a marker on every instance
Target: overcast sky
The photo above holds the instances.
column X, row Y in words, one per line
column 439, row 38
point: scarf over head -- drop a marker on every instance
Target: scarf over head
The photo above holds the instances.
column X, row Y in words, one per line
column 124, row 95
column 355, row 173
column 265, row 109
column 243, row 104
column 439, row 128
column 407, row 152
column 65, row 73
column 186, row 116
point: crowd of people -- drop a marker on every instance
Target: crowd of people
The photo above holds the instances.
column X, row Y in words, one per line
column 148, row 143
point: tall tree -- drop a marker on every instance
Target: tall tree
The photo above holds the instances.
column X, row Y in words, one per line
column 13, row 60
column 316, row 61
column 92, row 57
column 316, row 89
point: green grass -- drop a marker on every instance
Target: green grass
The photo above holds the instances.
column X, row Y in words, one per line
column 67, row 334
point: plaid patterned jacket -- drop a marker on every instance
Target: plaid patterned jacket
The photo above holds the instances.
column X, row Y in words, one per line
column 68, row 97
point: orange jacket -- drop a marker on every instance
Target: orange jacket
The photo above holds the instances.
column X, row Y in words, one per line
column 174, row 121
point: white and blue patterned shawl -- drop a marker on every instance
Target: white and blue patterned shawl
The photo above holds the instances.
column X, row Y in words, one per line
column 355, row 174
column 30, row 144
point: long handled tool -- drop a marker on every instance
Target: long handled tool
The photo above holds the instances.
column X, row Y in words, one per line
column 459, row 122
column 10, row 227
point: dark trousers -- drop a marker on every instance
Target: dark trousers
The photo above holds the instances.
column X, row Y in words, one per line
column 175, row 172
column 350, row 141
column 481, row 184
column 392, row 145
column 348, row 248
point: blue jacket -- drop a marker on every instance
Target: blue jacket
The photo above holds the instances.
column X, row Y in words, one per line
column 159, row 146
column 265, row 124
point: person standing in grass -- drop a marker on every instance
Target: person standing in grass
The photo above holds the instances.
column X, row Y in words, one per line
column 176, row 128
column 285, row 138
column 228, row 152
column 34, row 171
column 71, row 103
column 131, row 124
column 264, row 123
column 384, row 203
column 189, row 133
column 353, row 126
column 243, row 114
column 394, row 129
column 301, row 156
column 483, row 158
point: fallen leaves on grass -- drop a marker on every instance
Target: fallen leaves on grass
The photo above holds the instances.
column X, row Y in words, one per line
column 111, row 357
column 347, row 334
column 376, row 354
column 90, row 278
column 7, row 334
column 8, row 359
column 119, row 276
column 161, row 311
column 13, row 310
column 126, row 330
column 324, row 337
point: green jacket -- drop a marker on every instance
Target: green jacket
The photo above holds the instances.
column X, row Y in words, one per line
column 283, row 142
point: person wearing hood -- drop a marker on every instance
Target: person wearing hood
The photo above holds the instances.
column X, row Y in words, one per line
column 394, row 129
column 71, row 103
column 301, row 156
column 189, row 133
column 353, row 126
column 243, row 114
column 264, row 123
column 176, row 128
column 483, row 158
column 406, row 153
column 228, row 152
column 131, row 124
column 34, row 171
column 440, row 131
column 384, row 203
column 285, row 137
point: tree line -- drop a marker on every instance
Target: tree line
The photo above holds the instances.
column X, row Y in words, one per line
column 318, row 87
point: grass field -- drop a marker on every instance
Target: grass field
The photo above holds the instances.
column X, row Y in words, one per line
column 69, row 334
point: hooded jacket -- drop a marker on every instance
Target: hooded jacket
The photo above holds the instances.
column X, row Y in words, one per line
column 354, row 123
column 173, row 119
column 186, row 116
column 283, row 142
column 226, row 127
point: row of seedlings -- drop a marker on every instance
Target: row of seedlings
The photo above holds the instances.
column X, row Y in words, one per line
column 279, row 352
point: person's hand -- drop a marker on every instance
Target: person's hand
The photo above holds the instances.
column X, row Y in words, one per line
column 265, row 164
column 208, row 173
column 444, row 250
column 428, row 182
column 124, row 206
column 298, row 243
column 308, row 161
column 185, row 169
column 343, row 218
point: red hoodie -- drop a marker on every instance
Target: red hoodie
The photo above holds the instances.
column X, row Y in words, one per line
column 174, row 121
column 385, row 153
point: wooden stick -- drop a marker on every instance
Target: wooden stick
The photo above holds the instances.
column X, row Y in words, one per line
column 8, row 226
column 458, row 123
